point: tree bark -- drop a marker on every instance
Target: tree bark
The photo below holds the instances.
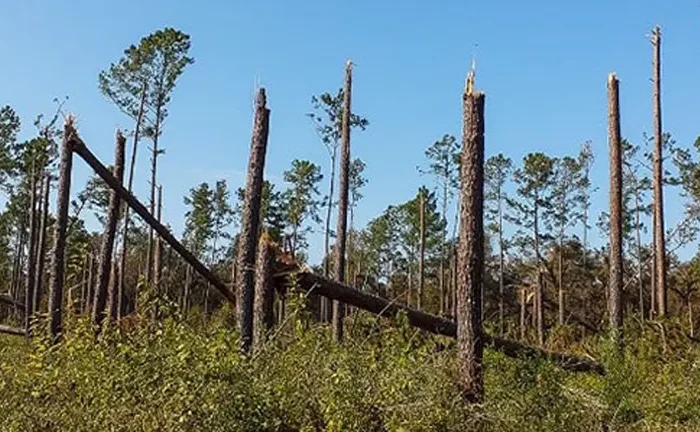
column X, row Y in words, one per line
column 327, row 307
column 560, row 277
column 523, row 307
column 501, row 260
column 640, row 262
column 152, row 202
column 470, row 332
column 264, row 317
column 251, row 219
column 41, row 252
column 660, row 242
column 343, row 192
column 113, row 301
column 31, row 255
column 421, row 250
column 616, row 270
column 125, row 226
column 106, row 252
column 158, row 251
column 538, row 301
column 58, row 254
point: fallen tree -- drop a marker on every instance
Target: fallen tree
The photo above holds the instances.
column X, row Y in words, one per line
column 11, row 330
column 307, row 281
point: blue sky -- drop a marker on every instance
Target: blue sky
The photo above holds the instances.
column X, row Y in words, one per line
column 543, row 65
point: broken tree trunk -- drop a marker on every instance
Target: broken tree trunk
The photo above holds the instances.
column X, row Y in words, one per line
column 264, row 318
column 105, row 267
column 470, row 273
column 343, row 189
column 659, row 240
column 251, row 220
column 58, row 260
column 41, row 252
column 616, row 271
column 79, row 147
column 434, row 324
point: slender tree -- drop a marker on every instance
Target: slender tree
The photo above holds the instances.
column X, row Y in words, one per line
column 41, row 252
column 421, row 249
column 470, row 337
column 301, row 202
column 616, row 270
column 251, row 220
column 31, row 256
column 659, row 240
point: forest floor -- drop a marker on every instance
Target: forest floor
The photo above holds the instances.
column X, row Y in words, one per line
column 186, row 375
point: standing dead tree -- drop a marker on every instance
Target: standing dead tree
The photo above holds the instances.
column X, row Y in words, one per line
column 659, row 241
column 250, row 221
column 616, row 271
column 31, row 256
column 58, row 258
column 41, row 251
column 105, row 266
column 421, row 250
column 343, row 190
column 470, row 339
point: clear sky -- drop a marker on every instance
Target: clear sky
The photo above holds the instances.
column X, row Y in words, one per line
column 543, row 65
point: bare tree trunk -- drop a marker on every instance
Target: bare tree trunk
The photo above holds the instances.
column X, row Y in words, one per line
column 105, row 266
column 17, row 268
column 251, row 220
column 616, row 270
column 501, row 260
column 31, row 256
column 41, row 252
column 130, row 184
column 264, row 318
column 84, row 284
column 113, row 301
column 58, row 255
column 158, row 252
column 470, row 332
column 186, row 294
column 560, row 277
column 640, row 260
column 523, row 307
column 660, row 242
column 421, row 250
column 538, row 310
column 652, row 271
column 343, row 193
column 443, row 235
column 326, row 304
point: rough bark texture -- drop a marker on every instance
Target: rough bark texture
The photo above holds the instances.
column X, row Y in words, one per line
column 113, row 301
column 326, row 305
column 58, row 261
column 31, row 256
column 41, row 252
column 431, row 323
column 125, row 226
column 152, row 201
column 106, row 252
column 538, row 300
column 251, row 220
column 660, row 242
column 616, row 271
column 81, row 150
column 421, row 251
column 470, row 338
column 343, row 189
column 264, row 317
column 158, row 248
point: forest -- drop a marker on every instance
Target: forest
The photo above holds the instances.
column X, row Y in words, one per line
column 495, row 298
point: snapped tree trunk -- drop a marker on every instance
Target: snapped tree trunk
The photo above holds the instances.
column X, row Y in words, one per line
column 130, row 184
column 659, row 240
column 41, row 252
column 251, row 219
column 343, row 192
column 58, row 254
column 264, row 317
column 105, row 265
column 616, row 270
column 470, row 332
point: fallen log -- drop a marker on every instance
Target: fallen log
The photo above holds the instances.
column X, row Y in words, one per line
column 322, row 286
column 11, row 330
column 82, row 150
column 6, row 299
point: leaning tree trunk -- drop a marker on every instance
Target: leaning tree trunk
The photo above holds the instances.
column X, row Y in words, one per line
column 421, row 250
column 264, row 318
column 125, row 226
column 41, row 252
column 58, row 261
column 343, row 192
column 105, row 266
column 251, row 220
column 660, row 242
column 31, row 256
column 470, row 332
column 616, row 270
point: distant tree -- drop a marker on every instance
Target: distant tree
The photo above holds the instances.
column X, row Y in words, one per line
column 272, row 210
column 199, row 220
column 301, row 201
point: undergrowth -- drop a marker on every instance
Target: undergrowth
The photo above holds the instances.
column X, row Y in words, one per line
column 188, row 375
